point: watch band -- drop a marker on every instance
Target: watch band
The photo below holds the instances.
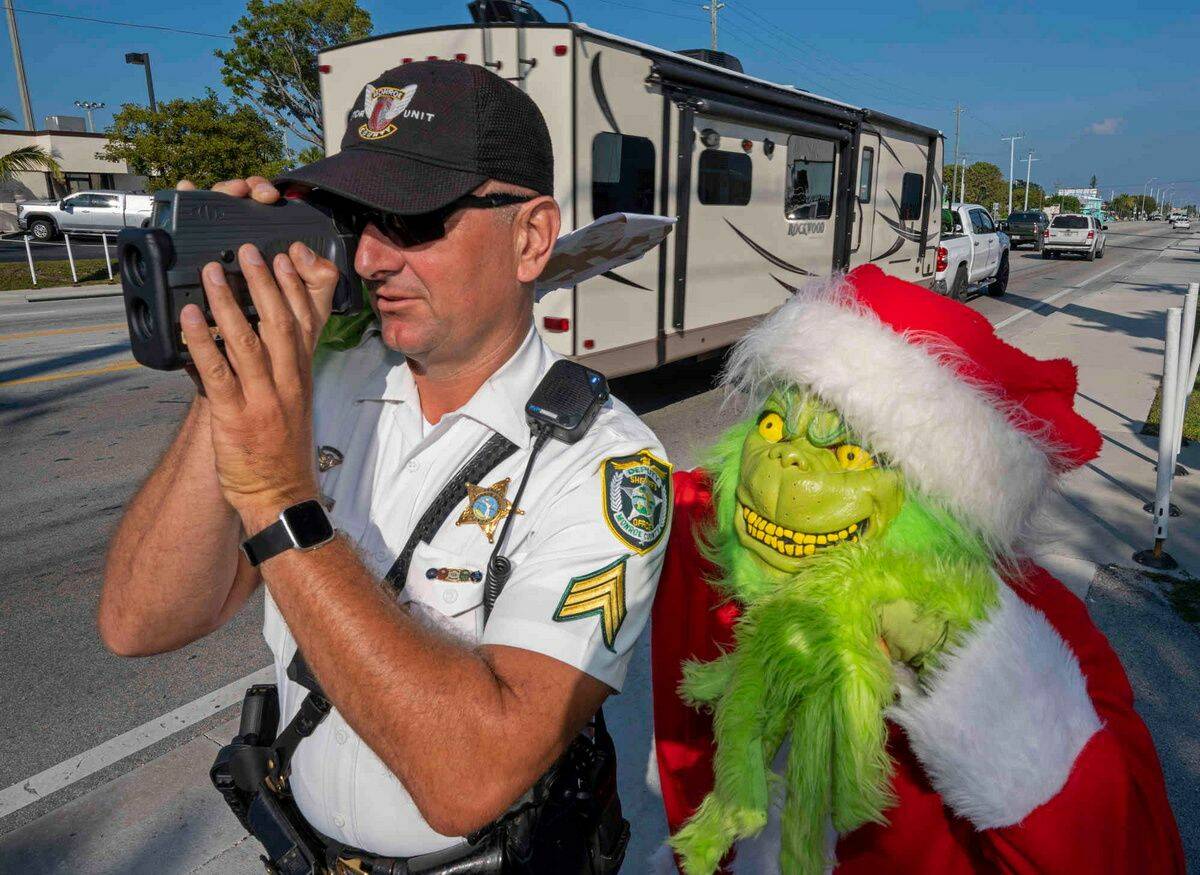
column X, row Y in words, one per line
column 302, row 526
column 271, row 541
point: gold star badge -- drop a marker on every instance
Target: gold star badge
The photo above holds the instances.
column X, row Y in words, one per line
column 487, row 507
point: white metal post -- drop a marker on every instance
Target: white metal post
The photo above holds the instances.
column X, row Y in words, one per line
column 1187, row 333
column 1028, row 175
column 71, row 258
column 107, row 262
column 1166, row 427
column 962, row 192
column 29, row 258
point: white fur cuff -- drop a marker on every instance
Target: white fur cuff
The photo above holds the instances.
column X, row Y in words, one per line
column 1005, row 717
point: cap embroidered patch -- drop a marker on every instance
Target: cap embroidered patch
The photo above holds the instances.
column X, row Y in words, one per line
column 600, row 593
column 637, row 499
column 381, row 105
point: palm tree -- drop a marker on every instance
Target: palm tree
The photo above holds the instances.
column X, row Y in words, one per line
column 26, row 157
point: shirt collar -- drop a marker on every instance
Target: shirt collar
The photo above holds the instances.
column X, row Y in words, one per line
column 499, row 404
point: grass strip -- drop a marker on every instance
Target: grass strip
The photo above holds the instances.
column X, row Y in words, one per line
column 1191, row 416
column 14, row 275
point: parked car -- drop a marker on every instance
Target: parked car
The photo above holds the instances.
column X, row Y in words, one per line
column 973, row 253
column 1182, row 223
column 1026, row 227
column 86, row 212
column 1156, row 217
column 1074, row 234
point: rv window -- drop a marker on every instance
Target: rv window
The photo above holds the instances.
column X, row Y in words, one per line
column 910, row 196
column 865, row 170
column 724, row 178
column 622, row 175
column 810, row 179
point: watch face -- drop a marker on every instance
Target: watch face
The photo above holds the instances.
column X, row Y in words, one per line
column 308, row 524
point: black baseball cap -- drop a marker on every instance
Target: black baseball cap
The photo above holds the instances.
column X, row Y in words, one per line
column 426, row 133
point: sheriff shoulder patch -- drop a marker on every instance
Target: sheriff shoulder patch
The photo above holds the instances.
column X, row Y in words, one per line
column 601, row 593
column 637, row 499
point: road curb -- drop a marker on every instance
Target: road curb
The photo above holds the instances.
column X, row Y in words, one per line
column 70, row 294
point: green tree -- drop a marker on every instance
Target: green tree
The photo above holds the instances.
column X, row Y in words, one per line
column 204, row 140
column 26, row 157
column 273, row 62
column 1037, row 196
column 1068, row 203
column 1093, row 184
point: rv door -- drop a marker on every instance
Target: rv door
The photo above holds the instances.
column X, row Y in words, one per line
column 864, row 200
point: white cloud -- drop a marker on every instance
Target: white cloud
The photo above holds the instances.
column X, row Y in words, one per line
column 1108, row 126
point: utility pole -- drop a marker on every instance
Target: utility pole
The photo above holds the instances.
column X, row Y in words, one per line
column 958, row 109
column 19, row 64
column 962, row 192
column 712, row 9
column 1028, row 175
column 1142, row 202
column 1012, row 154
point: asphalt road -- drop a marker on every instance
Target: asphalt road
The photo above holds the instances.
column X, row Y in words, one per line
column 83, row 425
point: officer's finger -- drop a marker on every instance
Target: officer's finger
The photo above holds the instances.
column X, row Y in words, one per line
column 233, row 187
column 243, row 348
column 298, row 301
column 262, row 190
column 218, row 381
column 320, row 277
column 276, row 326
column 185, row 185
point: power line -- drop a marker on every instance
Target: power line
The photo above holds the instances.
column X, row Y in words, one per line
column 650, row 11
column 123, row 23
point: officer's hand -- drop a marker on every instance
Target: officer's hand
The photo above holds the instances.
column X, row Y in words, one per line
column 909, row 634
column 260, row 389
column 257, row 187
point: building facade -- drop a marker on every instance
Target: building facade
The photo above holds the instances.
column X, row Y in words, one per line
column 75, row 152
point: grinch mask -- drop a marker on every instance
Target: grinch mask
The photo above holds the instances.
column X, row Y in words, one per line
column 822, row 545
column 806, row 484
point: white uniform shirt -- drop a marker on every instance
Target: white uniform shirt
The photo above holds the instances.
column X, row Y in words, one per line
column 586, row 552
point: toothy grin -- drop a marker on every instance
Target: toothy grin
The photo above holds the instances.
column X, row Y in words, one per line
column 789, row 543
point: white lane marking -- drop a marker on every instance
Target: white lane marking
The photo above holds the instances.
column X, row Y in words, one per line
column 126, row 744
column 1050, row 300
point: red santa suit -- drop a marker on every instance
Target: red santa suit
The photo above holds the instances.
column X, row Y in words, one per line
column 1023, row 754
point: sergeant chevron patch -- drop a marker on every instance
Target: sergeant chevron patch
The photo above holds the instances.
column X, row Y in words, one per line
column 601, row 592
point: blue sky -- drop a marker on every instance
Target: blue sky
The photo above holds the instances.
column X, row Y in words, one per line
column 1111, row 87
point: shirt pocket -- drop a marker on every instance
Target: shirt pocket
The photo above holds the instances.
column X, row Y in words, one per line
column 447, row 589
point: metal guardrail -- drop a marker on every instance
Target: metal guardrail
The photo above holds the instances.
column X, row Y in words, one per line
column 29, row 243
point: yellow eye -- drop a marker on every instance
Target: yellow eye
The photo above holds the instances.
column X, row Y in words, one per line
column 770, row 427
column 853, row 457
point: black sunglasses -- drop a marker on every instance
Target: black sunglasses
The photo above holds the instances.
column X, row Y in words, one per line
column 421, row 228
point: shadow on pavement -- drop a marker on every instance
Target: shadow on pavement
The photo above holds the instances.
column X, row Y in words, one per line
column 669, row 384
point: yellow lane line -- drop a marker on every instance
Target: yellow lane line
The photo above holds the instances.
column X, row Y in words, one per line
column 67, row 375
column 47, row 332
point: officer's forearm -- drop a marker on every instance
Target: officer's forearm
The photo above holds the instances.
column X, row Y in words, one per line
column 174, row 555
column 429, row 706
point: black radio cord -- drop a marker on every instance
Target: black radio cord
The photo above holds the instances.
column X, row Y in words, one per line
column 499, row 568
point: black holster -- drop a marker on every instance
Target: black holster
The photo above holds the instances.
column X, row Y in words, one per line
column 568, row 823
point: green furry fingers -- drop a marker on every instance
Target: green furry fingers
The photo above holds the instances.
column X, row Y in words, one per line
column 841, row 572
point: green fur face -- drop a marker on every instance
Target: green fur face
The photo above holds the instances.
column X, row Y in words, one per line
column 806, row 485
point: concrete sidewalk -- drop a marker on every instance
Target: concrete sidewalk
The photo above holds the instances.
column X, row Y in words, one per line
column 164, row 817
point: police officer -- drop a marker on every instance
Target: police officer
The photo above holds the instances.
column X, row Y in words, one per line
column 440, row 720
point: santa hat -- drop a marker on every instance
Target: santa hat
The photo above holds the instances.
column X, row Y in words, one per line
column 974, row 423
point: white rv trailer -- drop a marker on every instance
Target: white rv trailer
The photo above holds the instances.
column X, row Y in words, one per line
column 771, row 185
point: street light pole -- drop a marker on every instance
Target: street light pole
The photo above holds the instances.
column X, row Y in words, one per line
column 1142, row 202
column 1028, row 176
column 1012, row 154
column 87, row 106
column 143, row 59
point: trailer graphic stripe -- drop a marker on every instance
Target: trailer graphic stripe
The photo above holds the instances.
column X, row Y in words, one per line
column 893, row 248
column 774, row 259
column 616, row 277
column 601, row 97
column 791, row 288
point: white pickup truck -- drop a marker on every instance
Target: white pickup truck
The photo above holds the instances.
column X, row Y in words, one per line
column 86, row 212
column 973, row 253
